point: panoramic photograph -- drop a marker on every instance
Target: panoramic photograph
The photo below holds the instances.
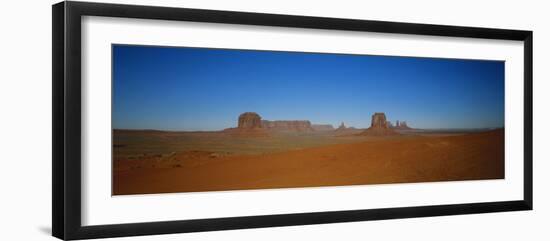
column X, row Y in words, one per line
column 203, row 119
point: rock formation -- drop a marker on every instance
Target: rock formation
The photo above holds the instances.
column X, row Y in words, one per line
column 401, row 125
column 287, row 125
column 378, row 120
column 345, row 130
column 342, row 126
column 322, row 127
column 249, row 120
column 249, row 125
column 379, row 126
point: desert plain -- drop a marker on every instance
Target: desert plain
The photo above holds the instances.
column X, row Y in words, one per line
column 260, row 154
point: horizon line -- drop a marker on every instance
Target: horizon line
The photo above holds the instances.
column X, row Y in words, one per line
column 218, row 130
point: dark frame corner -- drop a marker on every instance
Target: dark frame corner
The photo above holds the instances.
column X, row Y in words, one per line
column 66, row 128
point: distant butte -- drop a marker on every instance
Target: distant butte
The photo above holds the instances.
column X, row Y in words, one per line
column 249, row 120
column 342, row 126
column 322, row 127
column 249, row 125
column 287, row 125
column 379, row 126
column 401, row 125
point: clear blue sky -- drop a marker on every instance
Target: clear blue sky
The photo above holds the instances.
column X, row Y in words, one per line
column 175, row 88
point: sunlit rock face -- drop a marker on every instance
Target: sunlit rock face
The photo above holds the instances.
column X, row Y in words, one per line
column 379, row 126
column 249, row 120
column 287, row 125
column 378, row 120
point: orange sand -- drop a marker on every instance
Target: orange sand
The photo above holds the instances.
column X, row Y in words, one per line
column 397, row 160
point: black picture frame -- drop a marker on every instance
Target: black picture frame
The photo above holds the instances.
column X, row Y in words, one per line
column 66, row 158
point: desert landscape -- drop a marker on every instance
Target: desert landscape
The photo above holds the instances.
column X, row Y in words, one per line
column 197, row 119
column 261, row 154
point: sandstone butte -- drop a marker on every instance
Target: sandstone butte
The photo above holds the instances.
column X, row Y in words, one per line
column 379, row 126
column 401, row 125
column 248, row 125
column 252, row 124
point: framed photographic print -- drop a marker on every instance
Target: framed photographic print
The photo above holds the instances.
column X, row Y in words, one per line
column 170, row 120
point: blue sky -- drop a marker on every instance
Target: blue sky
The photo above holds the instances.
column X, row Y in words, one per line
column 177, row 88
